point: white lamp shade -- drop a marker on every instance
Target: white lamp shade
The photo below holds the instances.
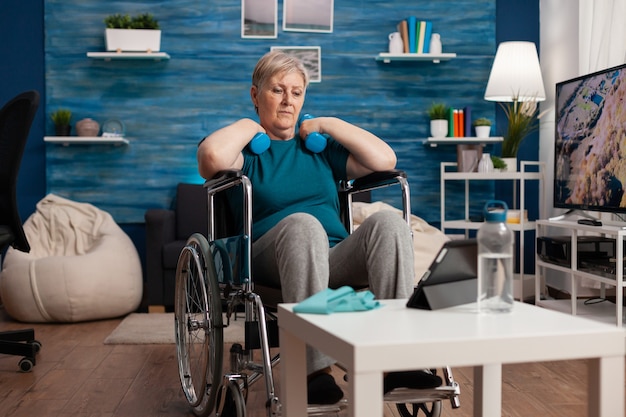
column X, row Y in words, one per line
column 515, row 74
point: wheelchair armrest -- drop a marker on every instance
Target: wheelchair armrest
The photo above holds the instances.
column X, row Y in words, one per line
column 372, row 181
column 223, row 180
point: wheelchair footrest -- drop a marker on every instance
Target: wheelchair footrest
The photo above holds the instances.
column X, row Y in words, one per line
column 253, row 339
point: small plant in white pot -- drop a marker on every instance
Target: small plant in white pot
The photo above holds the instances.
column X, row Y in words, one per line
column 482, row 127
column 139, row 33
column 438, row 114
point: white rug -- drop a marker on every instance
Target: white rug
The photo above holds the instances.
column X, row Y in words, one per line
column 158, row 328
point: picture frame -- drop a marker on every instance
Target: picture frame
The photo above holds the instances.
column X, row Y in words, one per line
column 311, row 57
column 259, row 19
column 308, row 15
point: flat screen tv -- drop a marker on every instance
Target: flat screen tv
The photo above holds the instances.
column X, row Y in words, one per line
column 590, row 142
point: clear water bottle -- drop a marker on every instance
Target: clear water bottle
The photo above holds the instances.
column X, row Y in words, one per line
column 495, row 260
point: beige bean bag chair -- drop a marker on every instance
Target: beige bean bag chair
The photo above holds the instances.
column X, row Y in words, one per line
column 427, row 240
column 82, row 266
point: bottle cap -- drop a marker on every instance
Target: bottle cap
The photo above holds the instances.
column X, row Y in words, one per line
column 495, row 211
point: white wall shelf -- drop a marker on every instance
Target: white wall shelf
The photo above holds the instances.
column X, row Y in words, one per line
column 433, row 142
column 614, row 312
column 529, row 171
column 435, row 58
column 108, row 56
column 86, row 140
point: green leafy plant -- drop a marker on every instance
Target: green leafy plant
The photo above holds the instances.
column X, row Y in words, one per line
column 145, row 21
column 497, row 162
column 481, row 121
column 124, row 21
column 61, row 117
column 438, row 111
column 523, row 120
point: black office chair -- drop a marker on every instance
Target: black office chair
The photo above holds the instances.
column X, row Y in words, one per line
column 16, row 118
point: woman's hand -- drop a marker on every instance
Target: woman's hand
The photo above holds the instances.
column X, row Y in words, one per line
column 221, row 150
column 368, row 153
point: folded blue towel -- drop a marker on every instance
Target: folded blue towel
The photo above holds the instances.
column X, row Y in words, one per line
column 342, row 299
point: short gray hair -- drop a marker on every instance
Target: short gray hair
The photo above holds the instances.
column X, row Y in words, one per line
column 276, row 62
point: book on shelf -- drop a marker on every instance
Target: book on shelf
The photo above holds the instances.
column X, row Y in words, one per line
column 412, row 26
column 467, row 126
column 403, row 28
column 459, row 124
column 427, row 33
column 415, row 35
column 420, row 36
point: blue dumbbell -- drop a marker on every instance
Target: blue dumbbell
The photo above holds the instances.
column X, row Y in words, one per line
column 260, row 143
column 315, row 141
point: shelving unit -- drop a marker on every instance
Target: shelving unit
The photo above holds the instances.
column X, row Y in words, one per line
column 86, row 140
column 435, row 58
column 601, row 311
column 526, row 173
column 108, row 56
column 433, row 142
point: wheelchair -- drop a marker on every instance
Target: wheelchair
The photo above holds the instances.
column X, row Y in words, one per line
column 214, row 284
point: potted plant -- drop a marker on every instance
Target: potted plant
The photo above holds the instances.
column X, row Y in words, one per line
column 139, row 33
column 438, row 113
column 482, row 127
column 522, row 120
column 498, row 163
column 61, row 119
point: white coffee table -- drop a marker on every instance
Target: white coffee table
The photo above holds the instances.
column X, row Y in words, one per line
column 394, row 338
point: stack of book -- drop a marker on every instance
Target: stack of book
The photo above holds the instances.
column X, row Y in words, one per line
column 460, row 122
column 415, row 35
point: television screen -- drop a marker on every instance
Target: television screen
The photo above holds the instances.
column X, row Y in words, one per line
column 590, row 142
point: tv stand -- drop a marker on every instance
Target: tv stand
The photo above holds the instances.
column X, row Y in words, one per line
column 572, row 212
column 606, row 279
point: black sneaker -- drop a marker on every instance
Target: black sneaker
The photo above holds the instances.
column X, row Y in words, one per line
column 322, row 389
column 410, row 379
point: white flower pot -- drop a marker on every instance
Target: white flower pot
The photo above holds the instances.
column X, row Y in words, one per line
column 133, row 40
column 482, row 131
column 511, row 164
column 438, row 128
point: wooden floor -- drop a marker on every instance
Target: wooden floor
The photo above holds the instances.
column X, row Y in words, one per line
column 77, row 375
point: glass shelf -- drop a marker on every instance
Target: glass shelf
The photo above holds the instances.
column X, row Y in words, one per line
column 86, row 140
column 108, row 56
column 436, row 58
column 433, row 142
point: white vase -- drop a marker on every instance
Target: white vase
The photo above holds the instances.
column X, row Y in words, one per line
column 438, row 128
column 435, row 44
column 482, row 131
column 511, row 164
column 485, row 165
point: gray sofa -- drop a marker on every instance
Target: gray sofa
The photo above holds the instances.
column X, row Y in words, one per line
column 166, row 234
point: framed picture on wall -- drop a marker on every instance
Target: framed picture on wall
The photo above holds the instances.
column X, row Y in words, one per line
column 311, row 57
column 259, row 19
column 308, row 15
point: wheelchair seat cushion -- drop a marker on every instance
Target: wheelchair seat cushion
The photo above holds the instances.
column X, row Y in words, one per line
column 82, row 266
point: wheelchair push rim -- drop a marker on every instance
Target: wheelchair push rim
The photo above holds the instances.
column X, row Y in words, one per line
column 198, row 325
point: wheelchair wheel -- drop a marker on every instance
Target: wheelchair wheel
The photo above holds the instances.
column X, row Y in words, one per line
column 234, row 402
column 198, row 325
column 432, row 409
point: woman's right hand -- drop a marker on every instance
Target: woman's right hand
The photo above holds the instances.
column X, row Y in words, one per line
column 221, row 150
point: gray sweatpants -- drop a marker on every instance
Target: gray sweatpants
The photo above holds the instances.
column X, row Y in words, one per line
column 295, row 255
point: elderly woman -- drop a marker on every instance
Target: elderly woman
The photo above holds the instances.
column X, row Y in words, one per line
column 299, row 241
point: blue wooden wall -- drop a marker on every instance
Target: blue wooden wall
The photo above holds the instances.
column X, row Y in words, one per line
column 168, row 106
